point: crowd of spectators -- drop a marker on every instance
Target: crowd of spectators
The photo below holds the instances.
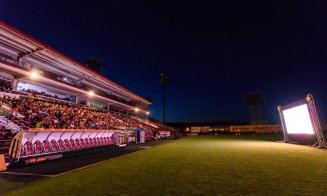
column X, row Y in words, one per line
column 41, row 112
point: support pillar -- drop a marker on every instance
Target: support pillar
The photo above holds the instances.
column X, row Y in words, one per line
column 14, row 84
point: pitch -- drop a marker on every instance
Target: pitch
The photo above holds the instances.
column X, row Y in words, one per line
column 213, row 165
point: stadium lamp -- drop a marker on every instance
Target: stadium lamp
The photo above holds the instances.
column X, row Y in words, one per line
column 136, row 109
column 301, row 118
column 147, row 113
column 91, row 93
column 34, row 74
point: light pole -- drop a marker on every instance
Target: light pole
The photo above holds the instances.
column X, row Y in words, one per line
column 163, row 82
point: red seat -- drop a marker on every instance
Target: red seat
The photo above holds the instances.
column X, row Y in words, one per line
column 54, row 146
column 82, row 143
column 37, row 147
column 95, row 142
column 77, row 144
column 100, row 142
column 104, row 141
column 107, row 141
column 91, row 142
column 46, row 146
column 61, row 146
column 28, row 148
column 66, row 144
column 86, row 143
column 72, row 144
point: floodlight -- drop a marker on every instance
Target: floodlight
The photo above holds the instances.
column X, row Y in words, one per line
column 91, row 93
column 34, row 74
column 136, row 109
column 147, row 113
column 301, row 118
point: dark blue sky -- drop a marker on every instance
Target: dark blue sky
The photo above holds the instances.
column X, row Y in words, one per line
column 213, row 53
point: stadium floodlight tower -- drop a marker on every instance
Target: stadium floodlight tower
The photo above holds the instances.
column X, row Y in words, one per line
column 301, row 118
column 255, row 101
column 164, row 83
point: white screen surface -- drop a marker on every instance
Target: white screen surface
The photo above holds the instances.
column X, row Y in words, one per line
column 297, row 120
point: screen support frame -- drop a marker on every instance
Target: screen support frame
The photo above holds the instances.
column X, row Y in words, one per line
column 314, row 120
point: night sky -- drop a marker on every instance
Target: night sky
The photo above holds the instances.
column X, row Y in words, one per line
column 213, row 53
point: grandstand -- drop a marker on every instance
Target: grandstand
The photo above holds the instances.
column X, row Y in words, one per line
column 51, row 103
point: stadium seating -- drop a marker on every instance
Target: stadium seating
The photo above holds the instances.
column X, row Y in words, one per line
column 59, row 116
column 36, row 111
column 54, row 146
column 37, row 147
column 28, row 148
column 46, row 146
column 51, row 114
column 61, row 146
column 72, row 145
column 67, row 145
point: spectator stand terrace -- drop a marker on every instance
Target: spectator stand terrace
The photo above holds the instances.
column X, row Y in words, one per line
column 42, row 89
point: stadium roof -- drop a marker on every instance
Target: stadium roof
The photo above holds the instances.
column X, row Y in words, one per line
column 32, row 47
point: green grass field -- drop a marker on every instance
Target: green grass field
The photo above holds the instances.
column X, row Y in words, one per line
column 195, row 165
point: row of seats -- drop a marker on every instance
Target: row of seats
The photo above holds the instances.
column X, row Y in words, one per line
column 43, row 113
column 46, row 146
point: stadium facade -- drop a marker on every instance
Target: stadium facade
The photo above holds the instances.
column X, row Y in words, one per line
column 59, row 75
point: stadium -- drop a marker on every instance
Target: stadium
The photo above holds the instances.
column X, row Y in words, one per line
column 52, row 104
column 68, row 129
